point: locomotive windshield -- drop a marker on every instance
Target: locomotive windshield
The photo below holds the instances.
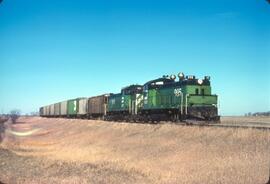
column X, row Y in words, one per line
column 155, row 84
column 133, row 89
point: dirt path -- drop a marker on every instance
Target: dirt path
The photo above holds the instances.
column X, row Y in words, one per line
column 42, row 150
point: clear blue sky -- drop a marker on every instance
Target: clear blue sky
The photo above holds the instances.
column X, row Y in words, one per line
column 56, row 50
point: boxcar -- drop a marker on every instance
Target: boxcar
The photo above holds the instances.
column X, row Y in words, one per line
column 63, row 109
column 57, row 109
column 83, row 107
column 47, row 110
column 97, row 106
column 51, row 107
column 73, row 107
column 41, row 111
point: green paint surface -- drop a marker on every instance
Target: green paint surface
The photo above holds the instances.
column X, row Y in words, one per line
column 72, row 106
column 119, row 102
column 168, row 98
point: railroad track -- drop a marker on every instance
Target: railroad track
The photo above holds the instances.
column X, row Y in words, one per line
column 242, row 126
column 200, row 124
column 249, row 125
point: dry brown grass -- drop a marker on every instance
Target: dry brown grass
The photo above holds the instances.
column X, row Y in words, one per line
column 163, row 153
column 240, row 120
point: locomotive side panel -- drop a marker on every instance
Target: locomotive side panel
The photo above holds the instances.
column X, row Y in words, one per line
column 119, row 103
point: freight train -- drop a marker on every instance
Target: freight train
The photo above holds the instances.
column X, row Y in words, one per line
column 162, row 99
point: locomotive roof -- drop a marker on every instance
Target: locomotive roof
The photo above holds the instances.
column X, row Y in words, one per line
column 165, row 80
column 170, row 82
column 132, row 89
column 133, row 86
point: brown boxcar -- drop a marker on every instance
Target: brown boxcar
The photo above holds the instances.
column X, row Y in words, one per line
column 97, row 106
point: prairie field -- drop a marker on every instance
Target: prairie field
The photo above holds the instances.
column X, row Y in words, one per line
column 44, row 150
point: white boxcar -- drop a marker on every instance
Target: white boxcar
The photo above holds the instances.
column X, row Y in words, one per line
column 46, row 110
column 83, row 106
column 63, row 111
column 52, row 110
column 57, row 109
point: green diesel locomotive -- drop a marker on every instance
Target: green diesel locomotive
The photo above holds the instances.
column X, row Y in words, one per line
column 165, row 99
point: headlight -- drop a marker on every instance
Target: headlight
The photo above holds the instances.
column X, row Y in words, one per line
column 173, row 77
column 200, row 81
column 181, row 75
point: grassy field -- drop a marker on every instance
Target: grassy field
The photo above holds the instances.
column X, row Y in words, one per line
column 246, row 121
column 41, row 150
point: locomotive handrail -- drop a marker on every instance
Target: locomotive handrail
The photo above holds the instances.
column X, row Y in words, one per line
column 181, row 105
column 187, row 95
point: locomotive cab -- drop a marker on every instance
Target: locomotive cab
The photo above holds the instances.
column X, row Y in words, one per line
column 135, row 93
column 200, row 103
